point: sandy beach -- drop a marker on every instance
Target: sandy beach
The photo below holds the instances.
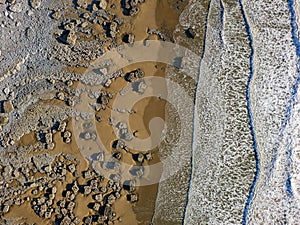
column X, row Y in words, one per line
column 161, row 16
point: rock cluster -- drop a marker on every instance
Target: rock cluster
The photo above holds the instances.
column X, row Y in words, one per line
column 134, row 75
column 158, row 33
column 103, row 100
column 131, row 7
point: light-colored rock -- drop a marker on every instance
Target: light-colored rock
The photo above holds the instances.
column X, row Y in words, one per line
column 67, row 134
column 132, row 197
column 6, row 90
column 6, row 208
column 148, row 156
column 56, row 15
column 61, row 96
column 87, row 190
column 82, row 3
column 99, row 197
column 71, row 38
column 131, row 38
column 7, row 106
column 62, row 126
column 84, row 24
column 103, row 4
column 72, row 168
column 140, row 157
column 107, row 83
column 3, row 120
column 96, row 206
column 35, row 4
column 17, row 8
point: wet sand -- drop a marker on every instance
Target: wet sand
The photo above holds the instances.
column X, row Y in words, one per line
column 154, row 15
column 146, row 109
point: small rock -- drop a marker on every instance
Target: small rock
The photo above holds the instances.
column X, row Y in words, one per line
column 67, row 134
column 134, row 11
column 69, row 83
column 48, row 169
column 100, row 157
column 35, row 4
column 87, row 136
column 131, row 38
column 86, row 15
column 134, row 75
column 190, row 33
column 70, row 102
column 99, row 197
column 5, row 208
column 62, row 126
column 69, row 26
column 118, row 155
column 62, row 204
column 103, row 4
column 148, row 156
column 75, row 188
column 111, row 199
column 96, row 206
column 87, row 190
column 98, row 118
column 72, row 168
column 87, row 174
column 3, row 120
column 103, row 189
column 54, row 190
column 67, row 140
column 94, row 8
column 84, row 24
column 30, row 13
column 141, row 87
column 50, row 146
column 6, row 90
column 107, row 83
column 66, row 221
column 48, row 138
column 71, row 205
column 129, row 185
column 52, row 196
column 140, row 157
column 132, row 197
column 56, row 15
column 103, row 99
column 118, row 195
column 48, row 215
column 82, row 3
column 71, row 38
column 17, row 8
column 7, row 106
column 61, row 96
column 118, row 144
column 128, row 38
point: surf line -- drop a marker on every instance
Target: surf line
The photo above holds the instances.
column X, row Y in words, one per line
column 248, row 99
column 195, row 114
